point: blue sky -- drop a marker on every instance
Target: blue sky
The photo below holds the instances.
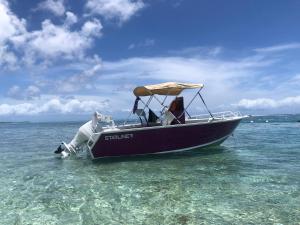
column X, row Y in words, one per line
column 65, row 59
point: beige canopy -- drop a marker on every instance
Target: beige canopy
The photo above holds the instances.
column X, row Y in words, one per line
column 169, row 88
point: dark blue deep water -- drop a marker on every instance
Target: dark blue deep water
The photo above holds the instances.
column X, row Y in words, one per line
column 253, row 178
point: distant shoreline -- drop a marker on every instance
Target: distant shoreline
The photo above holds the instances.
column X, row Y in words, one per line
column 296, row 118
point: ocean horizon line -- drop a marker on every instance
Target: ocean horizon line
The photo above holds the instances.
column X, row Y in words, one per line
column 121, row 119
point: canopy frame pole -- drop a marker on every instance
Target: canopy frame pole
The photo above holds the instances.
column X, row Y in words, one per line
column 165, row 99
column 125, row 122
column 185, row 109
column 162, row 103
column 145, row 106
column 211, row 115
column 163, row 107
column 147, row 103
column 161, row 111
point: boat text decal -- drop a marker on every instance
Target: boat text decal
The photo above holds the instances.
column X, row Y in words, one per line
column 118, row 137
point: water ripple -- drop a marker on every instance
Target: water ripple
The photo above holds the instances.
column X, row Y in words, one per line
column 254, row 178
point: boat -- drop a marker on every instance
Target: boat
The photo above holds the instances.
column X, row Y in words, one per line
column 171, row 129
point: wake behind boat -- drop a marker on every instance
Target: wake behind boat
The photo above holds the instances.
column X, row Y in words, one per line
column 173, row 129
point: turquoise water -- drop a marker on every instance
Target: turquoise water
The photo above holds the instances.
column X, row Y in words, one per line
column 253, row 178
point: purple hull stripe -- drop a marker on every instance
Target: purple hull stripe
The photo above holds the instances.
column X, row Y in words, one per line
column 172, row 138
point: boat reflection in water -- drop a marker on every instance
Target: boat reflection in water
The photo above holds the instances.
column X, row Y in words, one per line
column 173, row 129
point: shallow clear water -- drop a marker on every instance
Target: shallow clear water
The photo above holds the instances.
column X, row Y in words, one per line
column 253, row 178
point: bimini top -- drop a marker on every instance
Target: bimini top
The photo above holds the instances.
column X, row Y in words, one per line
column 169, row 88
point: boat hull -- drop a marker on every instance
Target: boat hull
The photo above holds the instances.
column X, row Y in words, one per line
column 153, row 140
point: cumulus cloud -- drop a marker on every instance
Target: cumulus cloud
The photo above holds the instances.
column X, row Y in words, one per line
column 120, row 10
column 77, row 76
column 224, row 81
column 28, row 93
column 268, row 103
column 18, row 45
column 8, row 60
column 55, row 105
column 71, row 84
column 92, row 28
column 10, row 24
column 53, row 41
column 71, row 18
column 55, row 6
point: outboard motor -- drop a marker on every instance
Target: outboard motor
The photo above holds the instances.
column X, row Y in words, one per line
column 83, row 135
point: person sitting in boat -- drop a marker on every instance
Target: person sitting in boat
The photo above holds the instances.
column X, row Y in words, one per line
column 175, row 113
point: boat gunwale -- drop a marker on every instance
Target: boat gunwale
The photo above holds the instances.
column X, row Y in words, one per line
column 172, row 126
column 99, row 134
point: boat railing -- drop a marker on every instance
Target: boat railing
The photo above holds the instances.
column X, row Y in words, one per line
column 217, row 116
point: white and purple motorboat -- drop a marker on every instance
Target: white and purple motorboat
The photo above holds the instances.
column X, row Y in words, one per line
column 170, row 129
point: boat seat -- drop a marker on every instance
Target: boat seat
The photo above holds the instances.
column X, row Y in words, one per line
column 141, row 114
column 168, row 118
column 177, row 109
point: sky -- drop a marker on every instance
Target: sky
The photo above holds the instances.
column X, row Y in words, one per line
column 63, row 59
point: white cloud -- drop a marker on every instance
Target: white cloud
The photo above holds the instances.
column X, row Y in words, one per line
column 177, row 3
column 29, row 93
column 32, row 91
column 193, row 69
column 54, row 41
column 55, row 6
column 121, row 10
column 71, row 84
column 296, row 79
column 278, row 48
column 215, row 51
column 18, row 46
column 8, row 60
column 222, row 79
column 10, row 24
column 14, row 91
column 54, row 105
column 83, row 77
column 92, row 28
column 268, row 103
column 226, row 82
column 71, row 19
column 146, row 43
column 198, row 51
